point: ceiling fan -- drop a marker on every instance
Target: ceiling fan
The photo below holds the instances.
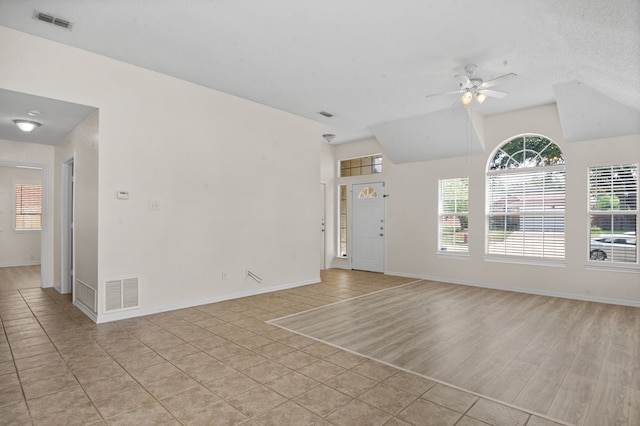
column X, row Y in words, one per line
column 474, row 87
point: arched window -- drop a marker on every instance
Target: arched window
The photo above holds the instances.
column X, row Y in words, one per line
column 526, row 199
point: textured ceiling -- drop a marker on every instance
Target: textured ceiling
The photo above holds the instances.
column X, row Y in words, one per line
column 58, row 118
column 368, row 62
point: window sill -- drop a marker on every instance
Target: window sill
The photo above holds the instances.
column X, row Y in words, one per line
column 613, row 267
column 561, row 263
column 453, row 254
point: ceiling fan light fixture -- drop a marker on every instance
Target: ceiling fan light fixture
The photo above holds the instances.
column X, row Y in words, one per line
column 27, row 126
column 466, row 98
column 481, row 97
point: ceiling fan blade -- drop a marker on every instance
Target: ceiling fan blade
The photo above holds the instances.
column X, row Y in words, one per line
column 445, row 93
column 493, row 93
column 464, row 80
column 498, row 80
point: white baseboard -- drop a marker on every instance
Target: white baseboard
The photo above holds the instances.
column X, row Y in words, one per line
column 585, row 298
column 190, row 304
column 92, row 316
column 14, row 264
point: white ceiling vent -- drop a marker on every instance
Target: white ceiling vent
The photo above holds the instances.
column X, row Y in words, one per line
column 121, row 294
column 52, row 19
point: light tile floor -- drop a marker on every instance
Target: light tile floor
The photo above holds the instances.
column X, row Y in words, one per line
column 216, row 364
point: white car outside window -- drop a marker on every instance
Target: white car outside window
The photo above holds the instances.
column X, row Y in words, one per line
column 614, row 248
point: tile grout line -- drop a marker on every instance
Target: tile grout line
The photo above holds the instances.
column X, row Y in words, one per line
column 61, row 357
column 13, row 360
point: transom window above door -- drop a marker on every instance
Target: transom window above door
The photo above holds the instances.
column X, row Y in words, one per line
column 361, row 166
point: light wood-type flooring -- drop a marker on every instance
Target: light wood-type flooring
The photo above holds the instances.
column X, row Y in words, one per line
column 571, row 360
column 15, row 277
column 217, row 364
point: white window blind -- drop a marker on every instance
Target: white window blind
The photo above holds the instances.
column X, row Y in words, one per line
column 453, row 221
column 526, row 200
column 342, row 250
column 28, row 207
column 613, row 208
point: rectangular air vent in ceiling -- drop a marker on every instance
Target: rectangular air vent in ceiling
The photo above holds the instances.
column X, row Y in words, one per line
column 51, row 19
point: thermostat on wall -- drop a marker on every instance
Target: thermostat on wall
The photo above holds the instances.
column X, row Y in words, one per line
column 122, row 195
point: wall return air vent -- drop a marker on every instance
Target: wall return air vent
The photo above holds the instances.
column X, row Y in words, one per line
column 52, row 19
column 121, row 294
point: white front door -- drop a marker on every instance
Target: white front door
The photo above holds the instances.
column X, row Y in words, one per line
column 368, row 226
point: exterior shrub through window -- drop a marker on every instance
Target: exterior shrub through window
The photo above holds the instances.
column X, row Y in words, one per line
column 454, row 215
column 526, row 199
column 613, row 206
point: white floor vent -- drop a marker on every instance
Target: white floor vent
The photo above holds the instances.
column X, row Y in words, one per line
column 121, row 294
column 85, row 295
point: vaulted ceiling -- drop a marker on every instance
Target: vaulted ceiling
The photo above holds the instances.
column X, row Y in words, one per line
column 370, row 63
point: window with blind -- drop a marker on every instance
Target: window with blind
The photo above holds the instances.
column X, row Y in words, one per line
column 453, row 221
column 342, row 250
column 28, row 207
column 613, row 208
column 526, row 200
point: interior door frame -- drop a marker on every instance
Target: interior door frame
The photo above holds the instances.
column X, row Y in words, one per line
column 351, row 209
column 323, row 225
column 44, row 221
column 67, row 213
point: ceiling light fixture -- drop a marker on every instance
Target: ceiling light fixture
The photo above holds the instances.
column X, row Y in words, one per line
column 329, row 137
column 480, row 97
column 27, row 126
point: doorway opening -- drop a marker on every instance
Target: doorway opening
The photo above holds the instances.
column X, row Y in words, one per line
column 23, row 225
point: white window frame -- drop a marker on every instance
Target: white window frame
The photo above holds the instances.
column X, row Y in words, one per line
column 613, row 255
column 343, row 222
column 530, row 245
column 458, row 215
column 15, row 206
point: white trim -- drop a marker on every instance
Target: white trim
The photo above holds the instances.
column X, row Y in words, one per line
column 92, row 316
column 67, row 282
column 607, row 300
column 615, row 267
column 11, row 265
column 453, row 254
column 521, row 260
column 190, row 304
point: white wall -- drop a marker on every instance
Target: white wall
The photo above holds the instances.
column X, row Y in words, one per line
column 17, row 248
column 237, row 182
column 412, row 214
column 81, row 144
column 29, row 154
